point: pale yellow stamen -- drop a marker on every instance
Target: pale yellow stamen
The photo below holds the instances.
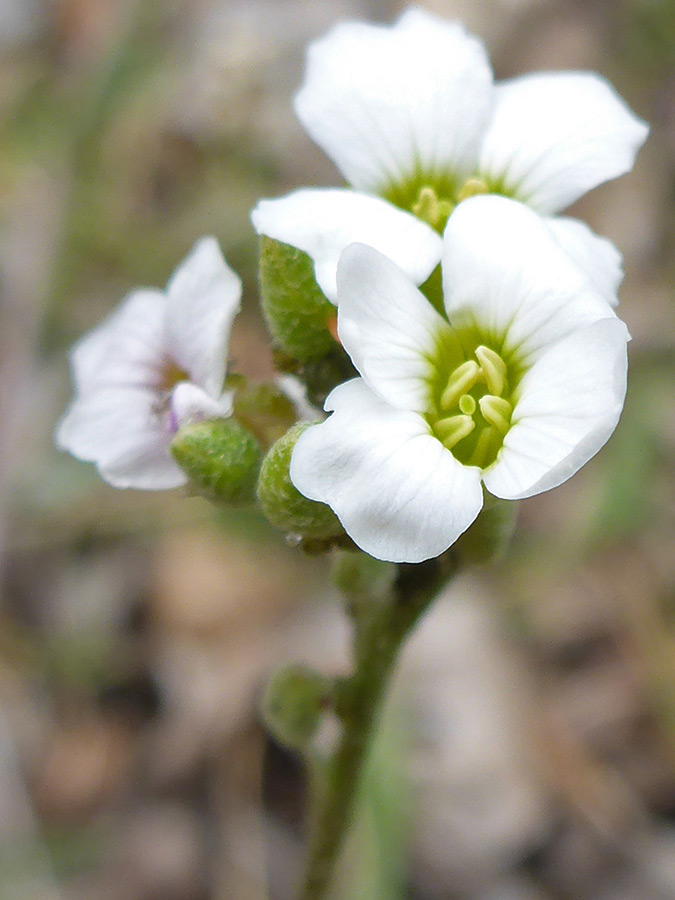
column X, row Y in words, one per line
column 462, row 380
column 484, row 444
column 497, row 411
column 472, row 188
column 454, row 429
column 431, row 208
column 494, row 369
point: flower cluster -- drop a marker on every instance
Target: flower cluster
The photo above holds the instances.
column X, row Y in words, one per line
column 478, row 344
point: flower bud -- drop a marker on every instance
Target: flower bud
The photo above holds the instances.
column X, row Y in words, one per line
column 295, row 308
column 281, row 501
column 293, row 702
column 221, row 459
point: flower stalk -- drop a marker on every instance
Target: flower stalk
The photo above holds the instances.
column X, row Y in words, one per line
column 383, row 616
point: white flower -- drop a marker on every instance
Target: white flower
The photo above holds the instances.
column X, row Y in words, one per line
column 410, row 115
column 519, row 386
column 156, row 363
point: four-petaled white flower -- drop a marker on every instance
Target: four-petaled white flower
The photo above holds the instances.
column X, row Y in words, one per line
column 157, row 362
column 412, row 118
column 519, row 386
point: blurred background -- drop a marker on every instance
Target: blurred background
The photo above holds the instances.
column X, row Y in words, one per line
column 527, row 751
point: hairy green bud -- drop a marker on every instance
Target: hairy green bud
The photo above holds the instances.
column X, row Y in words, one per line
column 293, row 703
column 282, row 502
column 296, row 310
column 221, row 459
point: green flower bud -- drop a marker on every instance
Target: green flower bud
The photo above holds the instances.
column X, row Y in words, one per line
column 282, row 502
column 293, row 703
column 221, row 459
column 296, row 310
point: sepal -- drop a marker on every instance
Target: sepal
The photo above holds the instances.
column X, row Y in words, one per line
column 221, row 459
column 296, row 310
column 283, row 504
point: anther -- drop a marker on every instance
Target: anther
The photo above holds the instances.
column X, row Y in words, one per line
column 454, row 429
column 471, row 188
column 427, row 205
column 494, row 369
column 462, row 380
column 497, row 411
column 431, row 208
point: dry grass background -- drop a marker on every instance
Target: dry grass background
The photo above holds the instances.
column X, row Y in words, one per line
column 528, row 751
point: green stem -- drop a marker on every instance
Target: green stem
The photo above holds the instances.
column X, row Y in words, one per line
column 378, row 639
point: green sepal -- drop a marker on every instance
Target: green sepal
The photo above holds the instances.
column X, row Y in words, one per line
column 295, row 308
column 282, row 502
column 221, row 458
column 293, row 702
column 488, row 538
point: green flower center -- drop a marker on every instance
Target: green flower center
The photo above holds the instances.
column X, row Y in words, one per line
column 472, row 408
column 433, row 198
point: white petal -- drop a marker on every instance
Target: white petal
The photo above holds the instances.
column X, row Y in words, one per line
column 385, row 102
column 124, row 433
column 388, row 327
column 553, row 136
column 323, row 222
column 190, row 403
column 596, row 256
column 203, row 298
column 400, row 495
column 570, row 402
column 504, row 271
column 127, row 348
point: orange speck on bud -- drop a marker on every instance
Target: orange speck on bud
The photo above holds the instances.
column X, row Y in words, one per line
column 332, row 327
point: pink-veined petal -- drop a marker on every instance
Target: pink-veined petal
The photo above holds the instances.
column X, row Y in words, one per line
column 385, row 102
column 125, row 434
column 388, row 327
column 322, row 222
column 555, row 135
column 126, row 349
column 569, row 404
column 400, row 495
column 504, row 271
column 203, row 297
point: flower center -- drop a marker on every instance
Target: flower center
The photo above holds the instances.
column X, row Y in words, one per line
column 474, row 408
column 170, row 375
column 432, row 197
column 435, row 209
